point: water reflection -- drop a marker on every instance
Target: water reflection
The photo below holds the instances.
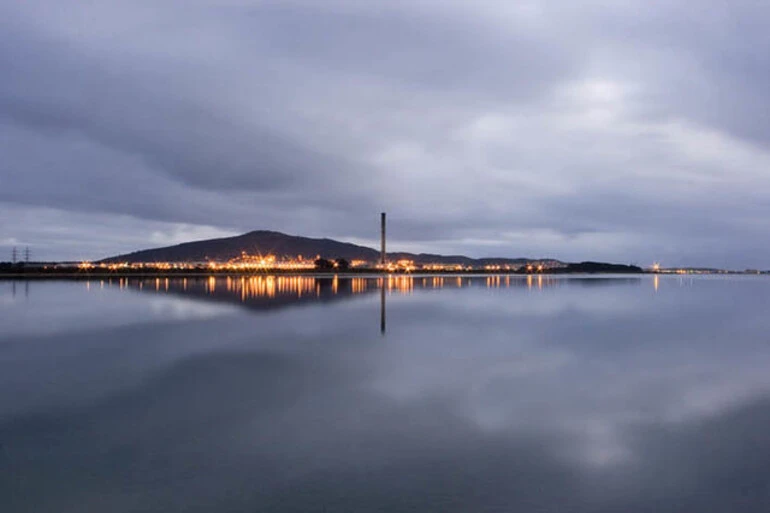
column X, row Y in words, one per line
column 245, row 289
column 489, row 395
column 266, row 292
column 263, row 292
column 26, row 289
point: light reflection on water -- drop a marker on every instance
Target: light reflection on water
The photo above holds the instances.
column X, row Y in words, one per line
column 279, row 393
column 272, row 286
column 263, row 291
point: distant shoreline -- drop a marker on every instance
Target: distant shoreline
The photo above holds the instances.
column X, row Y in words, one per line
column 52, row 275
column 319, row 274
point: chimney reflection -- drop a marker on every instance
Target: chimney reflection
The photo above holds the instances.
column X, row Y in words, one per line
column 382, row 310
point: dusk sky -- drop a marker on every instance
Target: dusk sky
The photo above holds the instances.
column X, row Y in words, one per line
column 627, row 131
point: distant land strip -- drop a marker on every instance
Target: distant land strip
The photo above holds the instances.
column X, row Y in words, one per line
column 278, row 253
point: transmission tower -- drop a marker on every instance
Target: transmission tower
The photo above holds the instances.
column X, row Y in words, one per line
column 26, row 255
column 14, row 255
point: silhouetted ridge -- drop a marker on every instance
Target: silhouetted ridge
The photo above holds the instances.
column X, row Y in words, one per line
column 264, row 242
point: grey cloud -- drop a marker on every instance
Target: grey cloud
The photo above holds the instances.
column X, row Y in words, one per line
column 704, row 64
column 482, row 128
column 149, row 114
column 433, row 51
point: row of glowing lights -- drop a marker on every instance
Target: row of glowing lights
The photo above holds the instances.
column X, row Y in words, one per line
column 299, row 264
column 270, row 262
column 409, row 265
column 656, row 268
column 212, row 266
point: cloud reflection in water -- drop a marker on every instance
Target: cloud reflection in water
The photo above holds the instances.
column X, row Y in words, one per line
column 574, row 397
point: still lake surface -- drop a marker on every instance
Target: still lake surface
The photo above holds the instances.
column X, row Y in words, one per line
column 434, row 394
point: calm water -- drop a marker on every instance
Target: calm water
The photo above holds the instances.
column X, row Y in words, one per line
column 427, row 395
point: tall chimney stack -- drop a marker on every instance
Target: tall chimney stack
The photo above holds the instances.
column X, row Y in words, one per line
column 383, row 257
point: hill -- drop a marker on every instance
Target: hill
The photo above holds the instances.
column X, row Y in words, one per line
column 266, row 242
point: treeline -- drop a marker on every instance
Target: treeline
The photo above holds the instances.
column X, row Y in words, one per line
column 324, row 264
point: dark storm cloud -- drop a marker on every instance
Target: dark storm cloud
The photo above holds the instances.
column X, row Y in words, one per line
column 635, row 130
column 144, row 112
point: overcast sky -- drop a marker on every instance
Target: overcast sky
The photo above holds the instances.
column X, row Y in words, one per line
column 630, row 131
